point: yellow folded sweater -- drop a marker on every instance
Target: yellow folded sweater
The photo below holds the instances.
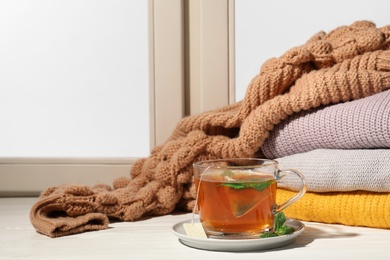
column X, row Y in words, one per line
column 355, row 208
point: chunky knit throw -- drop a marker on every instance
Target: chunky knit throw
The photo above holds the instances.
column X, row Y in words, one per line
column 349, row 63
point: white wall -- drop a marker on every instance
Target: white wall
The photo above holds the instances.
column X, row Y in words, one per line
column 266, row 29
column 74, row 78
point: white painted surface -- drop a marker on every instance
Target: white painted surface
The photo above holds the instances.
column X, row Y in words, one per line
column 74, row 78
column 266, row 29
column 152, row 238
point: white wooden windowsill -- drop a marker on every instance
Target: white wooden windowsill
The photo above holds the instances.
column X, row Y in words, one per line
column 152, row 238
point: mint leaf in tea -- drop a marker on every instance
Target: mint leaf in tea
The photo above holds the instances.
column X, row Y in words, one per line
column 232, row 201
column 245, row 192
column 259, row 186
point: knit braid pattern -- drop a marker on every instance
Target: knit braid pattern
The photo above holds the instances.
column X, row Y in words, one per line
column 349, row 63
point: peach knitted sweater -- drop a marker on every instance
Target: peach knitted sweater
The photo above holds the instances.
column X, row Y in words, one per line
column 349, row 63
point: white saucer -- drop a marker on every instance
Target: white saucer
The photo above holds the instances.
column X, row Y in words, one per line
column 238, row 244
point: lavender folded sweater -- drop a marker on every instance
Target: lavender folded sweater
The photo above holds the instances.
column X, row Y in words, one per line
column 328, row 170
column 359, row 124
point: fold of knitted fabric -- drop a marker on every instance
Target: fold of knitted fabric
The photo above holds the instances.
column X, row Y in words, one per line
column 349, row 63
column 328, row 69
column 355, row 208
column 359, row 124
column 70, row 209
column 328, row 170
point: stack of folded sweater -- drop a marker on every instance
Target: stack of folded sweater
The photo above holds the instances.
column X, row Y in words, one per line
column 290, row 112
column 343, row 151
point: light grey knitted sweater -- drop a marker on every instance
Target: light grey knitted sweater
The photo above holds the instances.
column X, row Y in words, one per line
column 329, row 170
column 359, row 124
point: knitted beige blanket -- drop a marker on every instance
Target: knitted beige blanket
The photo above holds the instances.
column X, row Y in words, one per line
column 349, row 63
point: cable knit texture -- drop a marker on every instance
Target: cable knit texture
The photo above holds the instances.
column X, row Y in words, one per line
column 359, row 124
column 349, row 63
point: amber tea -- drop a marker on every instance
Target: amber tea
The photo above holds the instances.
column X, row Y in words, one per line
column 242, row 205
column 236, row 197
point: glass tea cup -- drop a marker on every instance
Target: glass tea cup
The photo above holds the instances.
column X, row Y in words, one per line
column 236, row 197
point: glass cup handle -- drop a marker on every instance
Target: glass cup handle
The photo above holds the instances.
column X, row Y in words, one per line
column 301, row 192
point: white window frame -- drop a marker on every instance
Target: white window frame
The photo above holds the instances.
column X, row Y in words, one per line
column 210, row 55
column 29, row 176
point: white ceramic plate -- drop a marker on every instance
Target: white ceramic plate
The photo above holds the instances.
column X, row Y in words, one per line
column 238, row 244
